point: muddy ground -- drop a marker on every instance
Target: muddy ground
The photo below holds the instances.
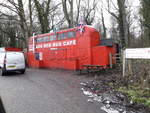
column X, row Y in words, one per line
column 102, row 89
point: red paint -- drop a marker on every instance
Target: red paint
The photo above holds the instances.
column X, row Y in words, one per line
column 12, row 49
column 69, row 53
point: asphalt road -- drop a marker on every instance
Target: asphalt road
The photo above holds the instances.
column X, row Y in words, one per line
column 45, row 91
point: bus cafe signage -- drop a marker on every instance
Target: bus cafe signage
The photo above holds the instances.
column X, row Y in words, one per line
column 53, row 44
column 56, row 44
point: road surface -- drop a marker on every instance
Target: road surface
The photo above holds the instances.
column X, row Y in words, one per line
column 45, row 91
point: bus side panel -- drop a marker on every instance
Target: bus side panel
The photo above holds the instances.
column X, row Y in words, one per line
column 62, row 58
column 32, row 62
column 101, row 55
column 84, row 51
column 71, row 54
column 95, row 38
column 70, row 64
column 85, row 43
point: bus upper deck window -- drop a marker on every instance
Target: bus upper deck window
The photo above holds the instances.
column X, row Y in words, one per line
column 52, row 37
column 45, row 39
column 61, row 36
column 40, row 40
column 71, row 34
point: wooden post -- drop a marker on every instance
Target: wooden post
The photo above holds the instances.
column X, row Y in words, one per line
column 130, row 67
column 123, row 62
column 110, row 60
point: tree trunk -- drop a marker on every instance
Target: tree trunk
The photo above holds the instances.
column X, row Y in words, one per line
column 68, row 16
column 24, row 26
column 103, row 23
column 43, row 13
column 122, row 23
column 31, row 20
column 78, row 10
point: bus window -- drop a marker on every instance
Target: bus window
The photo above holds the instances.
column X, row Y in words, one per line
column 52, row 37
column 39, row 40
column 35, row 40
column 71, row 34
column 45, row 39
column 61, row 36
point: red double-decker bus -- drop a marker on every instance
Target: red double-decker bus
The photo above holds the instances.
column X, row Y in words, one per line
column 70, row 49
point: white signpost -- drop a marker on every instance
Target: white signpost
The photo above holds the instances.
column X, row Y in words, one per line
column 135, row 53
column 33, row 42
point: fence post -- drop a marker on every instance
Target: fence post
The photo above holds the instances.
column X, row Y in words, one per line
column 123, row 62
column 110, row 60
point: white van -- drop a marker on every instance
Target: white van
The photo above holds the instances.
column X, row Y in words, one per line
column 12, row 61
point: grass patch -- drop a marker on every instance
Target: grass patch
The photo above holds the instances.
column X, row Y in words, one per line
column 137, row 95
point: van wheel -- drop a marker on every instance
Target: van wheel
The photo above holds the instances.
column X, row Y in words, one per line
column 22, row 71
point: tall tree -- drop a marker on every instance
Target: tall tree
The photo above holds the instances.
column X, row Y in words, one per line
column 122, row 20
column 17, row 7
column 68, row 13
column 8, row 29
column 88, row 10
column 81, row 10
column 144, row 11
column 22, row 18
column 103, row 24
column 78, row 3
column 43, row 14
column 30, row 17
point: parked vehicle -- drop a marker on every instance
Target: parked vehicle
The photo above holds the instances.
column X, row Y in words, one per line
column 71, row 49
column 12, row 61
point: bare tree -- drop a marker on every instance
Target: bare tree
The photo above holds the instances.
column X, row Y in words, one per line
column 84, row 9
column 47, row 11
column 88, row 10
column 68, row 13
column 121, row 18
column 114, row 33
column 78, row 2
column 30, row 17
column 23, row 22
column 145, row 21
column 27, row 18
column 43, row 13
column 103, row 23
column 56, row 17
column 9, row 31
column 18, row 8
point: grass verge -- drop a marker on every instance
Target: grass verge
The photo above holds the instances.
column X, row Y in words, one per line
column 137, row 95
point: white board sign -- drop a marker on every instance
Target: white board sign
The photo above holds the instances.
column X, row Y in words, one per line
column 137, row 53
